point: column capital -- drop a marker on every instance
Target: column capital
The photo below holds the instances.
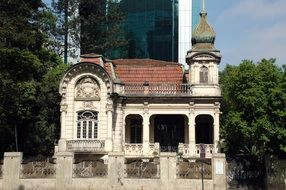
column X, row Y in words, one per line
column 109, row 108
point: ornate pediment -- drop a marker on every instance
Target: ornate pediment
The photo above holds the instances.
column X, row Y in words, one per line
column 87, row 89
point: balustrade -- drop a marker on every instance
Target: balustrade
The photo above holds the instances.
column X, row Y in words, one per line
column 209, row 148
column 133, row 149
column 154, row 149
column 184, row 149
column 86, row 145
column 157, row 89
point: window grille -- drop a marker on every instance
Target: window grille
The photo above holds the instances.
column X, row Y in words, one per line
column 87, row 125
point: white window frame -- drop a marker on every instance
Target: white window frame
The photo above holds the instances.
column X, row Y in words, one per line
column 87, row 125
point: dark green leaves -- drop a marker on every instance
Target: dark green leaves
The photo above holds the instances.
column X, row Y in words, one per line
column 253, row 120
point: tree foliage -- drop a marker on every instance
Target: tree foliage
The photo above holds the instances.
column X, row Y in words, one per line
column 29, row 72
column 254, row 115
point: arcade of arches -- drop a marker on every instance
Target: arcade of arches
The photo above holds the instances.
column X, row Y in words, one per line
column 169, row 130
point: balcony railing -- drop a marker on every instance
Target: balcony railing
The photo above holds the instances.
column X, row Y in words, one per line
column 86, row 145
column 209, row 148
column 132, row 149
column 157, row 89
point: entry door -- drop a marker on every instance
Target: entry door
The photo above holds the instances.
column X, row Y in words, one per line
column 169, row 132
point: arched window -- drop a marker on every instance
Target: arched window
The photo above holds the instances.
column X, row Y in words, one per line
column 87, row 125
column 204, row 72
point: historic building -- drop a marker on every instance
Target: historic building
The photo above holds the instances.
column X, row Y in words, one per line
column 134, row 124
column 143, row 107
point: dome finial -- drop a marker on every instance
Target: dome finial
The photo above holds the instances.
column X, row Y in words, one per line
column 204, row 6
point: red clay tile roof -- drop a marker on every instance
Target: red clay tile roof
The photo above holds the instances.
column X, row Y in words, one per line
column 148, row 71
column 91, row 60
column 108, row 68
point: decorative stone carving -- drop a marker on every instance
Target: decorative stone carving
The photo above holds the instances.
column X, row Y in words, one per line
column 109, row 105
column 87, row 88
column 64, row 107
column 88, row 104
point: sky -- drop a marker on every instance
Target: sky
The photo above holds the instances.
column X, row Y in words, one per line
column 248, row 29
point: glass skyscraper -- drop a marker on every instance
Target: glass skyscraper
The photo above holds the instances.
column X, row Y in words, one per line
column 151, row 28
column 160, row 29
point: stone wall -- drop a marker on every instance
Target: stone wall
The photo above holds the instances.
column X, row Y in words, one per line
column 116, row 172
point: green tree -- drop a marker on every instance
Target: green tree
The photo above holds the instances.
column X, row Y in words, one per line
column 254, row 115
column 25, row 64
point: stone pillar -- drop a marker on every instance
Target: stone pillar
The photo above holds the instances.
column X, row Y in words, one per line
column 219, row 172
column 11, row 170
column 192, row 132
column 62, row 141
column 115, row 170
column 108, row 143
column 117, row 144
column 216, row 128
column 168, row 170
column 146, row 130
column 64, row 170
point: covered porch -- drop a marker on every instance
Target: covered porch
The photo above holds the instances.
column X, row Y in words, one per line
column 159, row 133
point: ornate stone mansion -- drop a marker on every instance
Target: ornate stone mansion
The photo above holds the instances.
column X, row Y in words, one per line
column 143, row 107
column 135, row 124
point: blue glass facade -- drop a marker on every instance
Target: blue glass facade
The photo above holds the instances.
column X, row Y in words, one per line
column 155, row 29
column 151, row 28
column 196, row 12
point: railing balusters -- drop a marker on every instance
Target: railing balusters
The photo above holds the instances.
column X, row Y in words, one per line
column 157, row 89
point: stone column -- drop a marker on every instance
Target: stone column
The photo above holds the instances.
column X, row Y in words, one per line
column 62, row 141
column 192, row 132
column 11, row 170
column 219, row 172
column 64, row 170
column 109, row 111
column 216, row 127
column 146, row 131
column 117, row 145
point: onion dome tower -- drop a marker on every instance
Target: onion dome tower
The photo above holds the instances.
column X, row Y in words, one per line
column 203, row 59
